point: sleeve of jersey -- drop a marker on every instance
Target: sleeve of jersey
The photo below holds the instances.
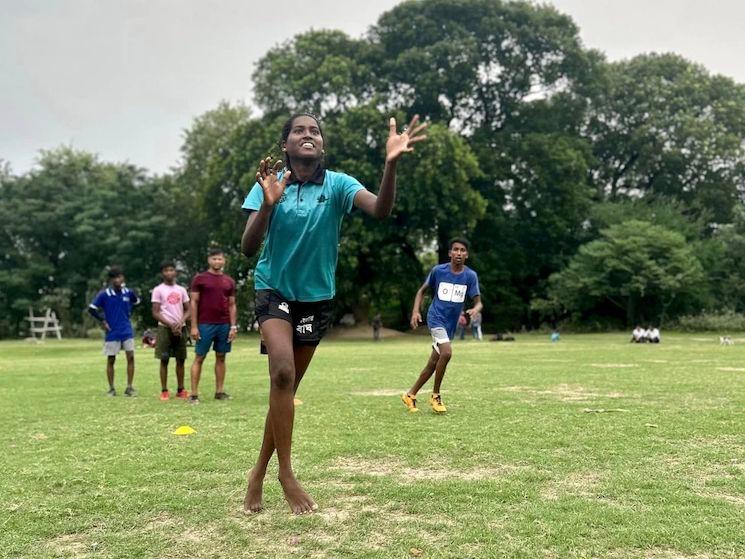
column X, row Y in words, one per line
column 185, row 295
column 473, row 288
column 431, row 280
column 348, row 189
column 96, row 304
column 155, row 296
column 196, row 286
column 254, row 199
column 137, row 299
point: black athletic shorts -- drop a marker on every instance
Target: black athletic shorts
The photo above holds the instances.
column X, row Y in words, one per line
column 310, row 321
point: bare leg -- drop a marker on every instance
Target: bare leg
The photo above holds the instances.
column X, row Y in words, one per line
column 164, row 374
column 196, row 373
column 110, row 360
column 219, row 372
column 446, row 352
column 180, row 373
column 253, row 499
column 130, row 367
column 429, row 368
column 280, row 420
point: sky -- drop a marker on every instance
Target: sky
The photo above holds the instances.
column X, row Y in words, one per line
column 125, row 78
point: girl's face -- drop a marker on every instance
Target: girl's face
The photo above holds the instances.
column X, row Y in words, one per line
column 305, row 140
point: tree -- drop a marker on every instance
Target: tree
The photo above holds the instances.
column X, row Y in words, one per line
column 68, row 219
column 639, row 268
column 665, row 127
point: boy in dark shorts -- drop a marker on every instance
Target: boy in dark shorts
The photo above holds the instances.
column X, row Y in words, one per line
column 171, row 310
column 297, row 213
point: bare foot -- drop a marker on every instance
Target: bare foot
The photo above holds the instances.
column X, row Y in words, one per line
column 300, row 502
column 253, row 500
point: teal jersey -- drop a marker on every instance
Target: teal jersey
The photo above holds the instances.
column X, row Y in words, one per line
column 301, row 248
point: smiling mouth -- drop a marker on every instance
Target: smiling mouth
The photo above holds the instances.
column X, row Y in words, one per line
column 307, row 145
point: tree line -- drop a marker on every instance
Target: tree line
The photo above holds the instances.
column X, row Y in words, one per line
column 595, row 193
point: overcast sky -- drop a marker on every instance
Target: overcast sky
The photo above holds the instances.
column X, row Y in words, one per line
column 124, row 78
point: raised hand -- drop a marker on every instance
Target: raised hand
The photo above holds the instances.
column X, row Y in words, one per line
column 273, row 187
column 403, row 142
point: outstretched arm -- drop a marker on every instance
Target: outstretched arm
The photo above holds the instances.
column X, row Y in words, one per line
column 258, row 221
column 380, row 206
column 416, row 317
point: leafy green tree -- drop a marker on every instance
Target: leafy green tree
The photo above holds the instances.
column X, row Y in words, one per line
column 639, row 268
column 665, row 127
column 70, row 218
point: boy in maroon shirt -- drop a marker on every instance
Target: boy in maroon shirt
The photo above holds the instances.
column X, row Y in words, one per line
column 213, row 321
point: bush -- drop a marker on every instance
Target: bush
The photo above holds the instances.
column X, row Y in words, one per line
column 717, row 321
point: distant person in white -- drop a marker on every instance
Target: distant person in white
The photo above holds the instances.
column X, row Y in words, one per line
column 638, row 335
column 653, row 335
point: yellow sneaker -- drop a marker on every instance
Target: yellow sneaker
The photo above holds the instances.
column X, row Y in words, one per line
column 436, row 402
column 409, row 402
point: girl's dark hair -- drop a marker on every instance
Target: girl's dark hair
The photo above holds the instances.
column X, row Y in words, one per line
column 167, row 264
column 287, row 128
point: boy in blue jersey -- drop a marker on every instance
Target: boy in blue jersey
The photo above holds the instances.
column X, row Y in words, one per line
column 450, row 284
column 116, row 302
column 297, row 214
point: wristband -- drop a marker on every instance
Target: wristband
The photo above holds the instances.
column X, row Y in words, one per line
column 234, row 327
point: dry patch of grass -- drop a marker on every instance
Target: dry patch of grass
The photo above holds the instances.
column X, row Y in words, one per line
column 576, row 484
column 564, row 392
column 407, row 474
column 380, row 392
column 70, row 545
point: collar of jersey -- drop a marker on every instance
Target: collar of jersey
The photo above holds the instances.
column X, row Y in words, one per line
column 319, row 175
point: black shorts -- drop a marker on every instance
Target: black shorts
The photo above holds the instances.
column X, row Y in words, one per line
column 310, row 321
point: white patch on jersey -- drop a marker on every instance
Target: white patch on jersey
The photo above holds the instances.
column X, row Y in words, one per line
column 451, row 292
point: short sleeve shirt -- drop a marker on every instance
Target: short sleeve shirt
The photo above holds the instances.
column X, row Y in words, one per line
column 117, row 308
column 301, row 248
column 449, row 292
column 171, row 299
column 215, row 291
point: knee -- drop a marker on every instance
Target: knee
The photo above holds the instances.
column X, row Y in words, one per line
column 283, row 376
column 220, row 357
column 130, row 358
column 199, row 359
column 164, row 359
column 111, row 359
column 445, row 354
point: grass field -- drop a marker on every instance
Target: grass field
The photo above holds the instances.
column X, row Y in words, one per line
column 519, row 467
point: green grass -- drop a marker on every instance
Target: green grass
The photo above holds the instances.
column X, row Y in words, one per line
column 517, row 468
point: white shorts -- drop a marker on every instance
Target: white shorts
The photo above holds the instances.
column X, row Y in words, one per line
column 110, row 349
column 439, row 337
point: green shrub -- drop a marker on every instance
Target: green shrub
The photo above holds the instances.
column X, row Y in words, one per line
column 717, row 321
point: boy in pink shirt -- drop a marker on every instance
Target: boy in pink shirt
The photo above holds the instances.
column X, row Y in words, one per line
column 171, row 310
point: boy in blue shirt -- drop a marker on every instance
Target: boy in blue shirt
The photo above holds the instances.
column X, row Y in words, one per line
column 450, row 284
column 116, row 302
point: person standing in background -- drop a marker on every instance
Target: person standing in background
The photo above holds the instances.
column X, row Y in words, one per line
column 213, row 321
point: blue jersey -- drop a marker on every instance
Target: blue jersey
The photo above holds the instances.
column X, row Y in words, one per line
column 117, row 308
column 449, row 291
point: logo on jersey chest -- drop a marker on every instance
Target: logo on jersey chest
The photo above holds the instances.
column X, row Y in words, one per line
column 451, row 292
